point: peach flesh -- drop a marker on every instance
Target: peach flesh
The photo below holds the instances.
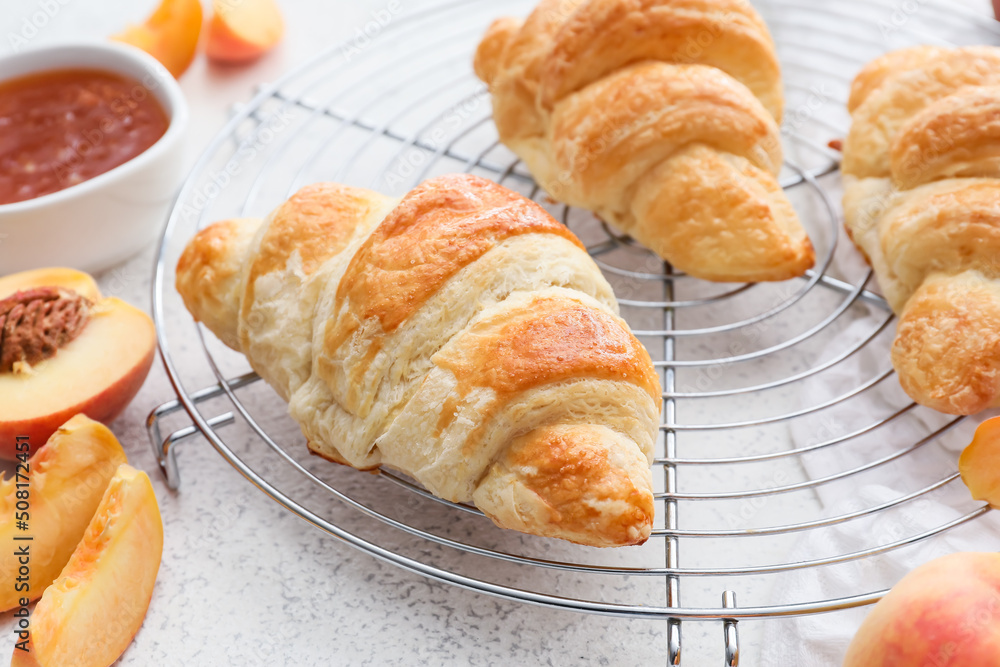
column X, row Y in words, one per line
column 79, row 282
column 97, row 373
column 980, row 463
column 170, row 35
column 66, row 481
column 90, row 614
column 242, row 31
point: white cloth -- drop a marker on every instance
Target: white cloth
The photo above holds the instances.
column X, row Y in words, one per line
column 821, row 640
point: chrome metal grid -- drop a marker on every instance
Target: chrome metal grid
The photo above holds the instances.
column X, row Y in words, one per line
column 740, row 426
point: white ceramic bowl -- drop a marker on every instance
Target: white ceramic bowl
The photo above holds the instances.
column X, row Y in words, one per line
column 100, row 222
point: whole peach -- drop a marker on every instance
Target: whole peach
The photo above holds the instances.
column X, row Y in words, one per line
column 945, row 613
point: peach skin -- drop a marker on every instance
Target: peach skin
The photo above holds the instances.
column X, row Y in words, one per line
column 66, row 480
column 65, row 350
column 89, row 615
column 946, row 612
column 980, row 463
column 170, row 35
column 243, row 30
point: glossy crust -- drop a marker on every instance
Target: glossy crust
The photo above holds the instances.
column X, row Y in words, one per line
column 922, row 201
column 439, row 228
column 730, row 217
column 601, row 37
column 617, row 129
column 601, row 98
column 539, row 478
column 460, row 335
column 510, row 59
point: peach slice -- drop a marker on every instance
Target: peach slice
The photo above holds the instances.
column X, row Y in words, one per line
column 89, row 615
column 170, row 35
column 65, row 482
column 945, row 612
column 980, row 463
column 243, row 30
column 90, row 360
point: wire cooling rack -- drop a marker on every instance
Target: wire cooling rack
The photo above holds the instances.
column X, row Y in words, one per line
column 778, row 399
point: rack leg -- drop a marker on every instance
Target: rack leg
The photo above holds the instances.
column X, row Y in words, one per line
column 164, row 448
column 670, row 478
column 731, row 631
column 674, row 641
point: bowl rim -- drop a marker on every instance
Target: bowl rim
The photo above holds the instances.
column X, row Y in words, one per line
column 120, row 53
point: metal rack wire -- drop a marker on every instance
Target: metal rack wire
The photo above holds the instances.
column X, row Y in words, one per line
column 758, row 421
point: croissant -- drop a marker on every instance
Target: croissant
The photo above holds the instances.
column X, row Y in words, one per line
column 459, row 335
column 659, row 116
column 922, row 201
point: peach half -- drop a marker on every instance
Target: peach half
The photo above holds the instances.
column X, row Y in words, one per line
column 89, row 615
column 65, row 350
column 243, row 30
column 78, row 281
column 980, row 463
column 170, row 35
column 60, row 491
column 945, row 612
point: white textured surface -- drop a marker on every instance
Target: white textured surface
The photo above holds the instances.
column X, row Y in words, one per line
column 245, row 583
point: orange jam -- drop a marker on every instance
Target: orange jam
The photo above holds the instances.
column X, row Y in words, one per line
column 62, row 127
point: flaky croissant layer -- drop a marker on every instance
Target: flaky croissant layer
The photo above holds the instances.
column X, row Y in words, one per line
column 460, row 335
column 661, row 117
column 922, row 201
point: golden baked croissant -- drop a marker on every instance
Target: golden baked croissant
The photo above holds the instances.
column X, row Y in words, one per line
column 460, row 335
column 660, row 116
column 922, row 201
